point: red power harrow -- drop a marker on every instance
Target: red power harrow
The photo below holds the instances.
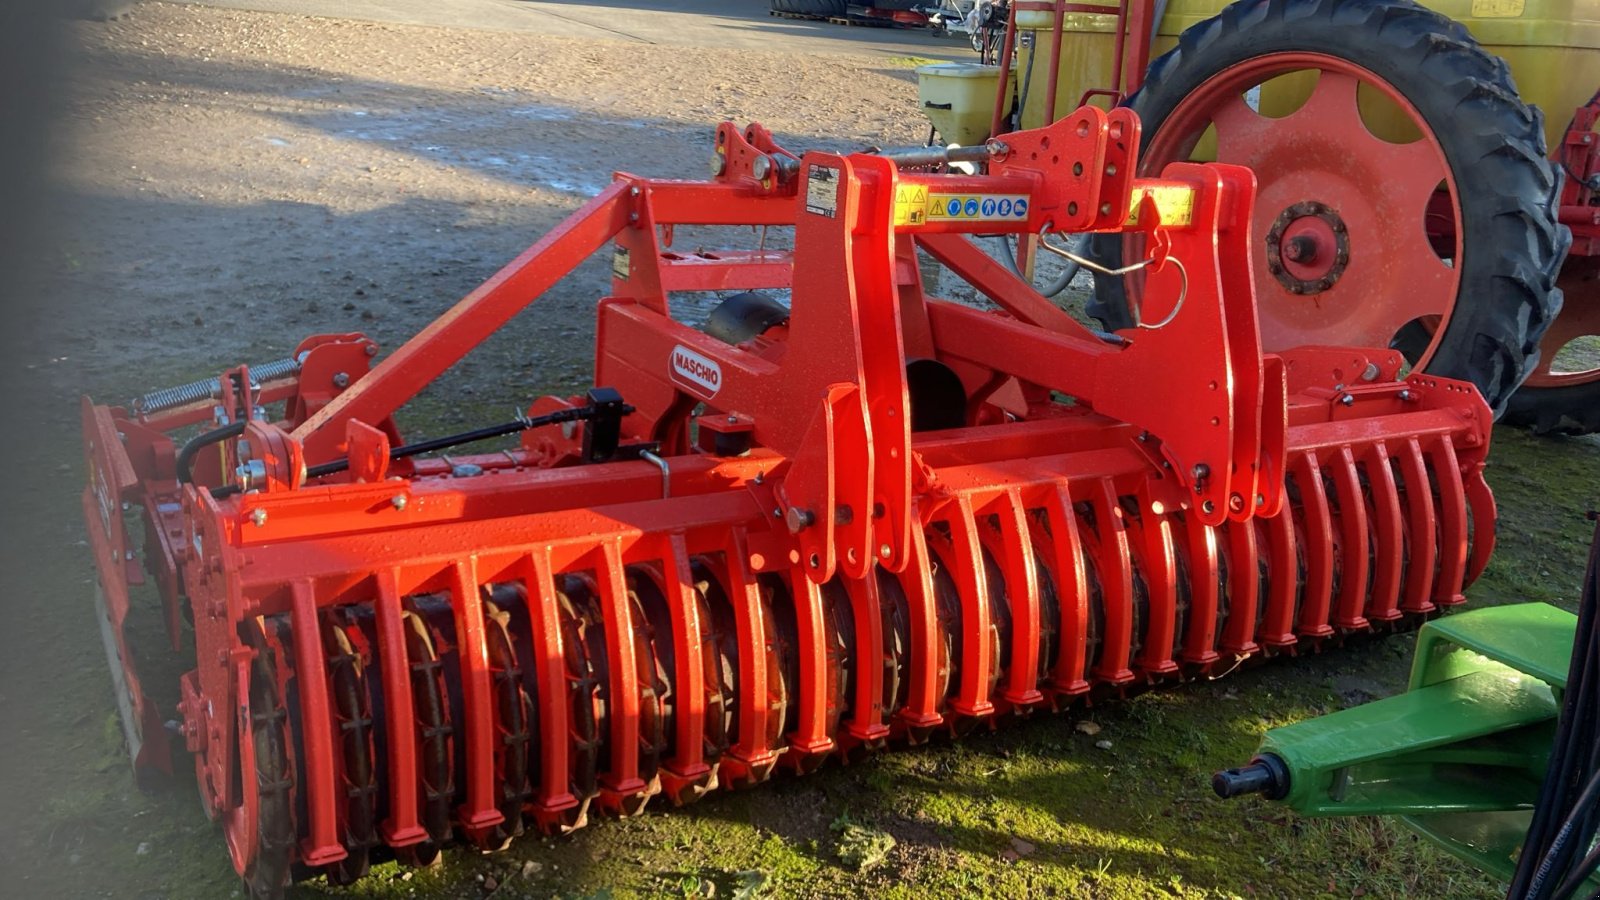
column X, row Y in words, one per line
column 796, row 533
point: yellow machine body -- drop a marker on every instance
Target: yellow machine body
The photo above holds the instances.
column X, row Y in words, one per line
column 1552, row 47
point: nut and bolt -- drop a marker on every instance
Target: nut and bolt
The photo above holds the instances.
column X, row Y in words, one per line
column 341, row 379
column 1346, row 400
column 258, row 516
column 399, row 501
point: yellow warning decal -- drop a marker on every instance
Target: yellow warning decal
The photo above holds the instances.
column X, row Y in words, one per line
column 910, row 204
column 914, row 204
column 1174, row 203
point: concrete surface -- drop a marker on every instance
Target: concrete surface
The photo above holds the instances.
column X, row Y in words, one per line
column 741, row 24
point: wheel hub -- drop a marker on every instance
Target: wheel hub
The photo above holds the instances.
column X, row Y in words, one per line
column 1308, row 247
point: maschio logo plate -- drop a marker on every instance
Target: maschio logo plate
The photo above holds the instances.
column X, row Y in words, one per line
column 696, row 372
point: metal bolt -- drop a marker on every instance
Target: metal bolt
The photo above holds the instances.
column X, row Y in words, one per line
column 1346, row 400
column 777, row 513
column 372, row 349
column 1300, row 249
column 1406, row 396
column 1201, row 470
column 884, row 550
column 341, row 379
column 1371, row 372
column 633, row 191
column 760, row 167
column 798, row 519
column 399, row 501
column 258, row 516
column 733, row 420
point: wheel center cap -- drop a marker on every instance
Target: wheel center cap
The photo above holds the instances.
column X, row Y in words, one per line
column 1308, row 247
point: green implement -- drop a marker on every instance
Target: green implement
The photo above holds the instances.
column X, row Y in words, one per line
column 1460, row 756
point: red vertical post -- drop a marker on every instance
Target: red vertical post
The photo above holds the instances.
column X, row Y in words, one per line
column 318, row 774
column 479, row 813
column 401, row 828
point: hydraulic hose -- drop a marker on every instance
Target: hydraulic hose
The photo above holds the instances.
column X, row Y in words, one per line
column 333, row 467
column 1557, row 857
column 1075, row 244
column 190, row 450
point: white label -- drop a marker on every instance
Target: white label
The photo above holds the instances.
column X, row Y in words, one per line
column 696, row 372
column 822, row 191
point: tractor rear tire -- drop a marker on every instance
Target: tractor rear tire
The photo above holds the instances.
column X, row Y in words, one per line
column 1506, row 189
column 822, row 9
column 1572, row 404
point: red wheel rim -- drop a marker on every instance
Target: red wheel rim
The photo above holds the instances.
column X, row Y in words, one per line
column 1579, row 318
column 1341, row 246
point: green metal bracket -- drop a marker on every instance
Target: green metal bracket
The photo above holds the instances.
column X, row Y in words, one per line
column 1459, row 755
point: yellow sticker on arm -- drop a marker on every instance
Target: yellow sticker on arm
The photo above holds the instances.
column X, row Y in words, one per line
column 1175, row 204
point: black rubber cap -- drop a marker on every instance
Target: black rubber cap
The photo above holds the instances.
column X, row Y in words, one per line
column 1266, row 775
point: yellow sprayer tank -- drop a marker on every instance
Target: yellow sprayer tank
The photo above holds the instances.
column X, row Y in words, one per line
column 958, row 98
column 1552, row 47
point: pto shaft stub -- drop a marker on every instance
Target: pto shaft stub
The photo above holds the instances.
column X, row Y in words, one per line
column 1266, row 775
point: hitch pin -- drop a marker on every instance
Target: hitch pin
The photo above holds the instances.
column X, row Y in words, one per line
column 666, row 471
column 1091, row 265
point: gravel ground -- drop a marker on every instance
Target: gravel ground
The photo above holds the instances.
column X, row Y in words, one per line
column 239, row 180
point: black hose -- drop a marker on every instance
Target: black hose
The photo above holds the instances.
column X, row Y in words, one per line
column 333, row 467
column 1562, row 847
column 1579, row 875
column 196, row 444
column 1009, row 257
column 1027, row 78
column 1567, row 815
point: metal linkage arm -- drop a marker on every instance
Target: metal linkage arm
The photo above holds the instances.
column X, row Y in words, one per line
column 456, row 333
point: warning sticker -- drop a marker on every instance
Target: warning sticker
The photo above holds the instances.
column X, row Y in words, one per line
column 619, row 263
column 977, row 207
column 911, row 204
column 1175, row 204
column 822, row 191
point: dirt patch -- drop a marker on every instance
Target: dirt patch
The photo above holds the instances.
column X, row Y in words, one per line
column 235, row 181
